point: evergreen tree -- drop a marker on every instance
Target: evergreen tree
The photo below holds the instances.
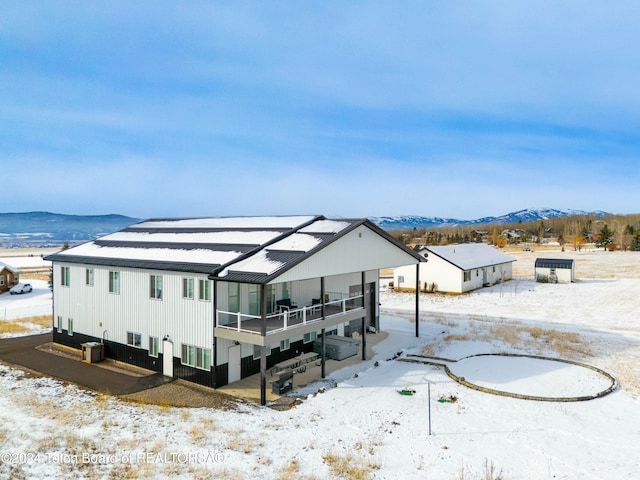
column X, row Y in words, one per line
column 606, row 237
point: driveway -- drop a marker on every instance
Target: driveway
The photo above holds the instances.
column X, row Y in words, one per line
column 22, row 351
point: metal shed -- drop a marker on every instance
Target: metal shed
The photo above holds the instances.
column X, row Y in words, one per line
column 555, row 270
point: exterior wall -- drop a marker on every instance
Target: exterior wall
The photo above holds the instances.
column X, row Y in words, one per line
column 8, row 279
column 562, row 275
column 438, row 275
column 359, row 251
column 100, row 315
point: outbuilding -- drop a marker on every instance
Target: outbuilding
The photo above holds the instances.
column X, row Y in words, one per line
column 214, row 300
column 455, row 269
column 555, row 270
column 9, row 276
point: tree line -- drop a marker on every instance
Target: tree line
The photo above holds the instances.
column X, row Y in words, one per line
column 611, row 232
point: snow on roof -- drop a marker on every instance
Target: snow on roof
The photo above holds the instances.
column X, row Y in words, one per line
column 471, row 255
column 8, row 267
column 227, row 222
column 213, row 257
column 325, row 226
column 244, row 245
column 221, row 237
column 257, row 263
column 297, row 242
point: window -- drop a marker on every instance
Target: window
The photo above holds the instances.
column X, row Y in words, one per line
column 204, row 290
column 64, row 276
column 310, row 337
column 153, row 346
column 70, row 331
column 400, row 279
column 196, row 357
column 155, row 287
column 187, row 288
column 234, row 297
column 271, row 298
column 467, row 276
column 59, row 324
column 284, row 344
column 88, row 280
column 494, row 269
column 134, row 339
column 256, row 351
column 1, row 280
column 254, row 299
column 114, row 282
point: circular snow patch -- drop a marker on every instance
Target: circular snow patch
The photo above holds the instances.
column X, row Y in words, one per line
column 531, row 377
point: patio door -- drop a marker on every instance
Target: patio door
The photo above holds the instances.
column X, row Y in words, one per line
column 234, row 364
column 167, row 358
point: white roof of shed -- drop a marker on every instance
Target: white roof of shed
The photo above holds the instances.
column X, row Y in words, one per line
column 470, row 255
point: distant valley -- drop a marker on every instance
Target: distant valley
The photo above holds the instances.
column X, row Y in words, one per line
column 45, row 229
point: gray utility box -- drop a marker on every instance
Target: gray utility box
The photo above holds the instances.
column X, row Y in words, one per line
column 92, row 352
column 336, row 347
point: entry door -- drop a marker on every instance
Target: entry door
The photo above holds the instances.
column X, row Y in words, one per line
column 167, row 358
column 234, row 363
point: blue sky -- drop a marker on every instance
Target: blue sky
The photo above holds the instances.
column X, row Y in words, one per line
column 352, row 109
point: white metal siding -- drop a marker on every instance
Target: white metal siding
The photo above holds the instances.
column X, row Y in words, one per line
column 358, row 251
column 98, row 313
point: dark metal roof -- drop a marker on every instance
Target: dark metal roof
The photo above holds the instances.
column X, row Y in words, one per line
column 244, row 277
column 554, row 262
column 136, row 263
column 220, row 247
column 142, row 229
column 286, row 258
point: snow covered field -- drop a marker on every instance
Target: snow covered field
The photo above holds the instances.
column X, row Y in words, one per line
column 363, row 428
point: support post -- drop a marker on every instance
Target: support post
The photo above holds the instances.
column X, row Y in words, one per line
column 263, row 349
column 215, row 339
column 364, row 322
column 417, row 299
column 323, row 370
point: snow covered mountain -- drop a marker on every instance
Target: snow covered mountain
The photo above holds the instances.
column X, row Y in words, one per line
column 524, row 216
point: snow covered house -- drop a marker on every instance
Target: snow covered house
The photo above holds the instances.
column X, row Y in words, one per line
column 555, row 270
column 214, row 300
column 9, row 276
column 455, row 268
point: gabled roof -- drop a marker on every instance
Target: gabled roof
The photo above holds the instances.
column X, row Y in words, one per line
column 470, row 255
column 243, row 249
column 8, row 267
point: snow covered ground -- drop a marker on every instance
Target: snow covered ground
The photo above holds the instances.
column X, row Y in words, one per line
column 363, row 428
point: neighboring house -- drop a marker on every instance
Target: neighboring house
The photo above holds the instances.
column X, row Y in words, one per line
column 555, row 270
column 9, row 277
column 456, row 269
column 214, row 300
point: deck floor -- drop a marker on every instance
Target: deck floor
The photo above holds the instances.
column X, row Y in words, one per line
column 249, row 388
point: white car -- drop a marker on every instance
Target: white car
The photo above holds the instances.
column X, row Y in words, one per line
column 20, row 288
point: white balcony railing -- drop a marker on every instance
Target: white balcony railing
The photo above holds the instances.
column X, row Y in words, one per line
column 287, row 319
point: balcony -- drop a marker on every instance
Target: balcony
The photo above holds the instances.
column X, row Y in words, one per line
column 337, row 311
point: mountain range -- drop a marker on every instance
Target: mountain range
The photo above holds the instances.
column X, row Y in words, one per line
column 44, row 229
column 524, row 216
